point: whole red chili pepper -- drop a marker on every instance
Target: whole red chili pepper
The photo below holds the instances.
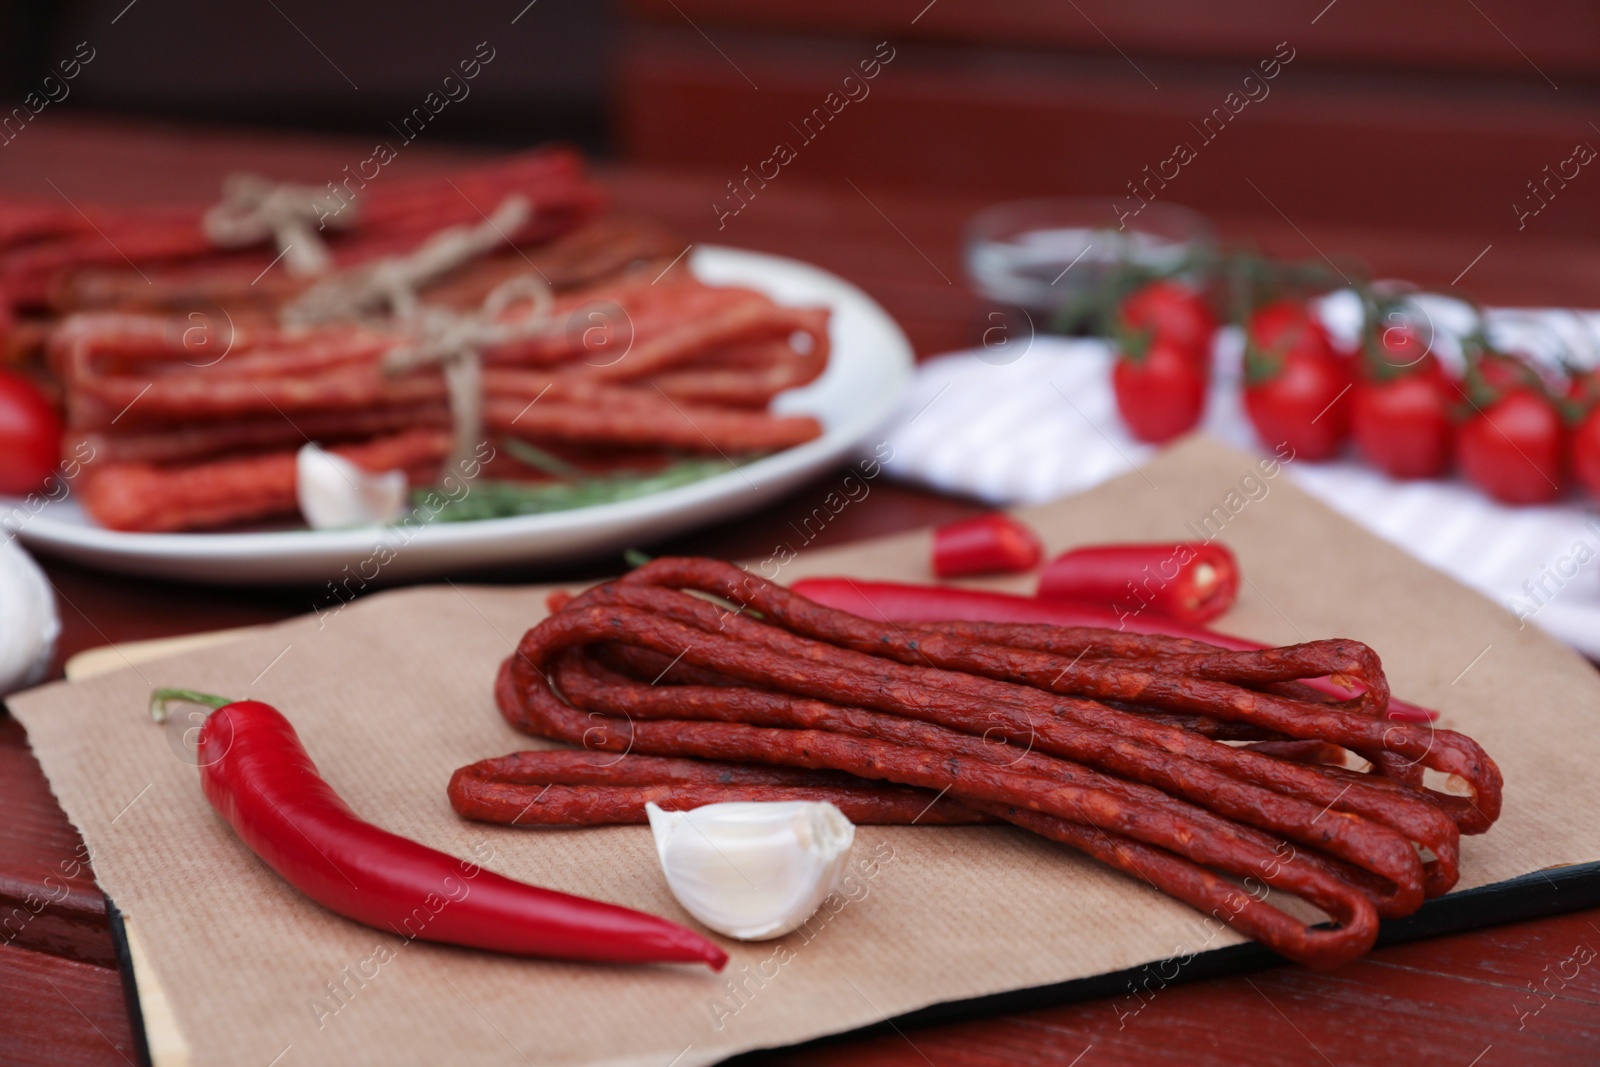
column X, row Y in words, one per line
column 937, row 603
column 1190, row 581
column 258, row 777
column 988, row 544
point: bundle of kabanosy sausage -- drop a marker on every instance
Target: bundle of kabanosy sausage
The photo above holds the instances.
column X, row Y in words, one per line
column 1216, row 776
column 636, row 383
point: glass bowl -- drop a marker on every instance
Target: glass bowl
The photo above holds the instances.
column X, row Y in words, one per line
column 1040, row 254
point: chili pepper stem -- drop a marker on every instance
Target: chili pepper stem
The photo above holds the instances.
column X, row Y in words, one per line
column 160, row 698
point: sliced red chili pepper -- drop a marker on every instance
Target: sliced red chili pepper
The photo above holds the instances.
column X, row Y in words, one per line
column 258, row 777
column 988, row 544
column 935, row 603
column 1190, row 581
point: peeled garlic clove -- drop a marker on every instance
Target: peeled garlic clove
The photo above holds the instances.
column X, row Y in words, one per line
column 335, row 493
column 29, row 625
column 752, row 870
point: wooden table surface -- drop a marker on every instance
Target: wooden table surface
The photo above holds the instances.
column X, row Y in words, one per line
column 1466, row 1000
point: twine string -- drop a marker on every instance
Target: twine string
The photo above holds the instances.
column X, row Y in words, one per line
column 254, row 209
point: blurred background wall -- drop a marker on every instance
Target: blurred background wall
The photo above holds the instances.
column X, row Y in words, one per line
column 1376, row 118
column 1420, row 113
column 350, row 66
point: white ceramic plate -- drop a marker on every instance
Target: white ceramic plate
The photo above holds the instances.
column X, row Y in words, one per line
column 867, row 375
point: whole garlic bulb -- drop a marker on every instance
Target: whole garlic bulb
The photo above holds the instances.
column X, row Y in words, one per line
column 29, row 625
column 752, row 870
column 334, row 493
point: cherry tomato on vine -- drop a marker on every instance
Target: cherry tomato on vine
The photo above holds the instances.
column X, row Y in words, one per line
column 1161, row 392
column 1513, row 448
column 1586, row 452
column 30, row 435
column 1583, row 407
column 1170, row 311
column 1401, row 408
column 1496, row 373
column 1296, row 385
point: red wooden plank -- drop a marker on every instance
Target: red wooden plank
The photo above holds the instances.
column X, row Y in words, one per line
column 166, row 162
column 1561, row 38
column 1392, row 149
column 62, row 1013
column 48, row 899
column 1533, row 961
column 1371, row 1011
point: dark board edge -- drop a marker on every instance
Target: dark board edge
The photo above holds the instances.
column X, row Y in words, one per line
column 130, row 985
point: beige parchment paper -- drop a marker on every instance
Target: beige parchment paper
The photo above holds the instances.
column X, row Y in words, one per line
column 393, row 692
